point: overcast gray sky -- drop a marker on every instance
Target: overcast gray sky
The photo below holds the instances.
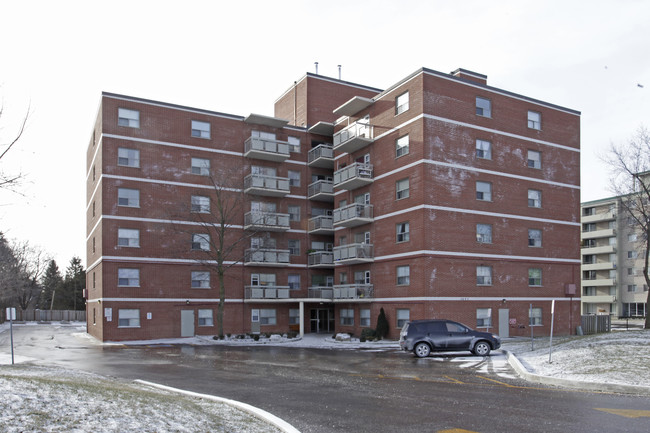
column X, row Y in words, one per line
column 59, row 56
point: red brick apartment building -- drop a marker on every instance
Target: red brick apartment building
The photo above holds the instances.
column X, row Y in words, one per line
column 438, row 197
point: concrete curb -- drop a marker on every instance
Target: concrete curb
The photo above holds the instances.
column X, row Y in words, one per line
column 256, row 412
column 573, row 384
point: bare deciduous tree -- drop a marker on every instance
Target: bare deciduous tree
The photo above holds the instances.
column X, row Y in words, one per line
column 31, row 263
column 10, row 181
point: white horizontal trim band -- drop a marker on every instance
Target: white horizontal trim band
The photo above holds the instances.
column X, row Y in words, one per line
column 479, row 256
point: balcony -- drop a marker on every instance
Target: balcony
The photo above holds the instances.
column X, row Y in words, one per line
column 266, row 292
column 595, row 234
column 602, row 216
column 353, row 137
column 321, row 292
column 266, row 221
column 353, row 215
column 269, row 186
column 266, row 149
column 603, row 266
column 321, row 156
column 321, row 190
column 599, row 282
column 354, row 253
column 266, row 257
column 321, row 225
column 353, row 176
column 321, row 259
column 598, row 299
column 606, row 249
column 353, row 291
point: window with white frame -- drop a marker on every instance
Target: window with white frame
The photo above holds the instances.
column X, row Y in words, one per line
column 294, row 144
column 205, row 318
column 128, row 157
column 402, row 232
column 483, row 149
column 402, row 189
column 484, row 275
column 483, row 191
column 402, row 103
column 483, row 107
column 403, row 316
column 126, row 117
column 534, row 277
column 293, row 281
column 484, row 233
column 631, row 271
column 266, row 280
column 294, row 178
column 200, row 129
column 534, row 120
column 401, row 146
column 364, row 317
column 534, row 159
column 267, row 316
column 632, row 237
column 403, row 275
column 294, row 212
column 362, row 277
column 128, row 277
column 294, row 316
column 294, row 247
column 631, row 288
column 483, row 317
column 534, row 238
column 200, row 280
column 128, row 237
column 534, row 198
column 128, row 318
column 346, row 316
column 201, row 166
column 343, row 278
column 535, row 316
column 632, row 255
column 128, row 197
column 200, row 204
column 201, row 242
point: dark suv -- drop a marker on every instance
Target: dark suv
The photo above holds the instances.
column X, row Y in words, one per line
column 425, row 336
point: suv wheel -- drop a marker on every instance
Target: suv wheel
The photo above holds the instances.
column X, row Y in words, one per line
column 482, row 348
column 422, row 350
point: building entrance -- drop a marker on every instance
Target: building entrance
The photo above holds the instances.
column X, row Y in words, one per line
column 322, row 320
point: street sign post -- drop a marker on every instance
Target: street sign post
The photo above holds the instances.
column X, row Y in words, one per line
column 550, row 344
column 11, row 315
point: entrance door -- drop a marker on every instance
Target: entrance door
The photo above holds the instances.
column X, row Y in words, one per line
column 504, row 322
column 321, row 320
column 187, row 323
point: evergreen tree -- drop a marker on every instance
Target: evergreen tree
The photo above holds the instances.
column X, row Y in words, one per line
column 51, row 283
column 72, row 288
column 382, row 325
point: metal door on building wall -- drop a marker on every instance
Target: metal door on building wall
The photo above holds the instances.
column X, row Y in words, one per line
column 322, row 320
column 187, row 323
column 504, row 322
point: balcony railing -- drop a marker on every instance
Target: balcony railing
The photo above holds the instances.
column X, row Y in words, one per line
column 267, row 221
column 321, row 156
column 266, row 149
column 353, row 215
column 605, row 249
column 353, row 291
column 267, row 292
column 601, row 266
column 321, row 259
column 321, row 225
column 271, row 186
column 353, row 176
column 601, row 216
column 353, row 137
column 595, row 234
column 321, row 190
column 354, row 253
column 321, row 292
column 598, row 282
column 266, row 257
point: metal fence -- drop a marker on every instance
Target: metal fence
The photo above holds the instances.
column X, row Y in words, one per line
column 46, row 315
column 596, row 324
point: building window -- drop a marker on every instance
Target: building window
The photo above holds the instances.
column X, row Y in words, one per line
column 403, row 275
column 263, row 280
column 534, row 159
column 631, row 271
column 402, row 230
column 632, row 237
column 364, row 317
column 483, row 191
column 294, row 213
column 128, row 237
column 294, row 144
column 483, row 317
column 343, row 278
column 95, row 244
column 128, row 197
column 201, row 166
column 402, row 103
column 484, row 275
column 534, row 277
column 201, row 242
column 631, row 255
column 402, row 189
column 130, row 118
column 205, row 318
column 403, row 316
column 128, row 277
column 294, row 247
column 401, row 146
column 483, row 107
column 534, row 198
column 200, row 280
column 484, row 233
column 294, row 178
column 483, row 149
column 294, row 316
column 267, row 316
column 128, row 318
column 294, row 281
column 347, row 317
column 200, row 204
column 535, row 316
column 534, row 238
column 200, row 129
column 534, row 120
column 631, row 287
column 128, row 157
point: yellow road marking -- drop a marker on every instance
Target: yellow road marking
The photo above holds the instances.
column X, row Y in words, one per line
column 496, row 381
column 627, row 413
column 456, row 430
column 454, row 380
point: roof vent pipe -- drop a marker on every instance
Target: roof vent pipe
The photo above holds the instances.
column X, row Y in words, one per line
column 339, row 72
column 316, row 65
